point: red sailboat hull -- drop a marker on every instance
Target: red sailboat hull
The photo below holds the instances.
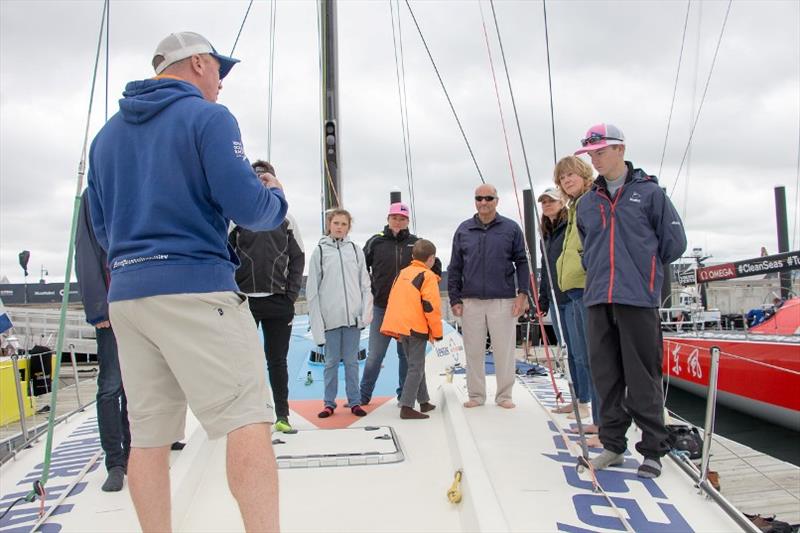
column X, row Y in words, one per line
column 758, row 373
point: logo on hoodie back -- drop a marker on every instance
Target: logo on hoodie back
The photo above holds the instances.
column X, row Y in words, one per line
column 238, row 150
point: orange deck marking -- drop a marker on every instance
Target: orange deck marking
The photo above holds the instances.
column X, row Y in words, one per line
column 341, row 418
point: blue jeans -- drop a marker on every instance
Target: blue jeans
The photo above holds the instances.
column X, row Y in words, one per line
column 112, row 407
column 342, row 344
column 378, row 344
column 560, row 330
column 578, row 350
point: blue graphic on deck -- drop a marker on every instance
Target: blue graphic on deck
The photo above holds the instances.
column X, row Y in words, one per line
column 300, row 348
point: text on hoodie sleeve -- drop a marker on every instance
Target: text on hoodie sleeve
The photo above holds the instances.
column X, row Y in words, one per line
column 233, row 184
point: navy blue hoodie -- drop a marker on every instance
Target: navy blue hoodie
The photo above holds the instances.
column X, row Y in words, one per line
column 627, row 239
column 166, row 175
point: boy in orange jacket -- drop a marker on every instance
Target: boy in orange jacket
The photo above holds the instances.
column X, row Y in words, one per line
column 414, row 317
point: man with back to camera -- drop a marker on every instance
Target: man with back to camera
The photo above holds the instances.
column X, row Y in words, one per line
column 488, row 283
column 629, row 229
column 167, row 174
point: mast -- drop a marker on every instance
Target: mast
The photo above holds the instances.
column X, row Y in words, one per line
column 783, row 238
column 332, row 191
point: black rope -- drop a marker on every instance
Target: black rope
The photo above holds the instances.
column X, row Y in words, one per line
column 241, row 27
column 549, row 82
column 675, row 87
column 513, row 104
column 108, row 31
column 408, row 123
column 537, row 216
column 447, row 95
column 270, row 82
column 795, row 226
column 702, row 99
column 15, row 502
column 402, row 114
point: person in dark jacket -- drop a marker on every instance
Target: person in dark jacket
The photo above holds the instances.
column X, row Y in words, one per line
column 271, row 274
column 489, row 284
column 554, row 222
column 112, row 406
column 386, row 254
column 629, row 229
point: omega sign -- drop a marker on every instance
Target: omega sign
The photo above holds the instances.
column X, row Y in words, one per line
column 712, row 273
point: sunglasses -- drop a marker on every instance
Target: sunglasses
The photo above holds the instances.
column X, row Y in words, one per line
column 596, row 138
column 486, row 198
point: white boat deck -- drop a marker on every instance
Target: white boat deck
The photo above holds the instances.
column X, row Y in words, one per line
column 518, row 476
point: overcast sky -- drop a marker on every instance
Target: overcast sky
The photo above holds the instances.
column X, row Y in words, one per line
column 611, row 61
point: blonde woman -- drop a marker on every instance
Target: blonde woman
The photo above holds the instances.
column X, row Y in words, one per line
column 574, row 177
column 339, row 306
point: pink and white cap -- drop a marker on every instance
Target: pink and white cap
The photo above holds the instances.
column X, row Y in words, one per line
column 600, row 136
column 398, row 208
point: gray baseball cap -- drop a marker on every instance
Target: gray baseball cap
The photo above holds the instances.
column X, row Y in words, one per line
column 177, row 46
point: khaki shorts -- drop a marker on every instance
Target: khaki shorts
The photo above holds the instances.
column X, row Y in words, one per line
column 197, row 348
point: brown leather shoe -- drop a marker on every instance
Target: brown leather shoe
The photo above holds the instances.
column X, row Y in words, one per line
column 427, row 406
column 407, row 413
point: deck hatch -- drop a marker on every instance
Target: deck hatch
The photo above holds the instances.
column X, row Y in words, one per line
column 316, row 448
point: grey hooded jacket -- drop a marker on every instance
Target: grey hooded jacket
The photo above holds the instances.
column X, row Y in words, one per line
column 338, row 288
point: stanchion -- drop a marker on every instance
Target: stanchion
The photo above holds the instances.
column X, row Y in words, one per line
column 75, row 373
column 20, row 402
column 711, row 409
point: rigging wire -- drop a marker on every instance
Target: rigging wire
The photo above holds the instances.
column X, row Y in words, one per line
column 702, row 98
column 408, row 124
column 446, row 94
column 796, row 226
column 108, row 32
column 270, row 82
column 675, row 87
column 68, row 270
column 549, row 82
column 322, row 163
column 403, row 106
column 532, row 269
column 241, row 27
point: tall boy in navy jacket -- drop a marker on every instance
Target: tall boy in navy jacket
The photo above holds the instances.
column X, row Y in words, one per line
column 629, row 229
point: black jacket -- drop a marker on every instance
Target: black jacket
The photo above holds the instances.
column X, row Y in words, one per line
column 91, row 268
column 272, row 261
column 553, row 243
column 386, row 255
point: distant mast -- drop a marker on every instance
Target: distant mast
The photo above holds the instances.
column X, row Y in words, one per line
column 332, row 190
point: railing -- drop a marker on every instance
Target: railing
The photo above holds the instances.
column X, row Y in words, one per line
column 27, row 435
column 701, row 475
column 40, row 326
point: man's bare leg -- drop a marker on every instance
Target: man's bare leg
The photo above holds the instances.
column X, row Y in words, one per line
column 148, row 482
column 253, row 477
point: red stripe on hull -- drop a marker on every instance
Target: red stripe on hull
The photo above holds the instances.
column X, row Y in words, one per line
column 690, row 359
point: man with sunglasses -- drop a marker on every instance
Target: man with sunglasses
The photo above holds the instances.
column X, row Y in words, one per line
column 488, row 283
column 629, row 229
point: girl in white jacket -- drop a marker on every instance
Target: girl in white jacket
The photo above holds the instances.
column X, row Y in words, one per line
column 339, row 306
